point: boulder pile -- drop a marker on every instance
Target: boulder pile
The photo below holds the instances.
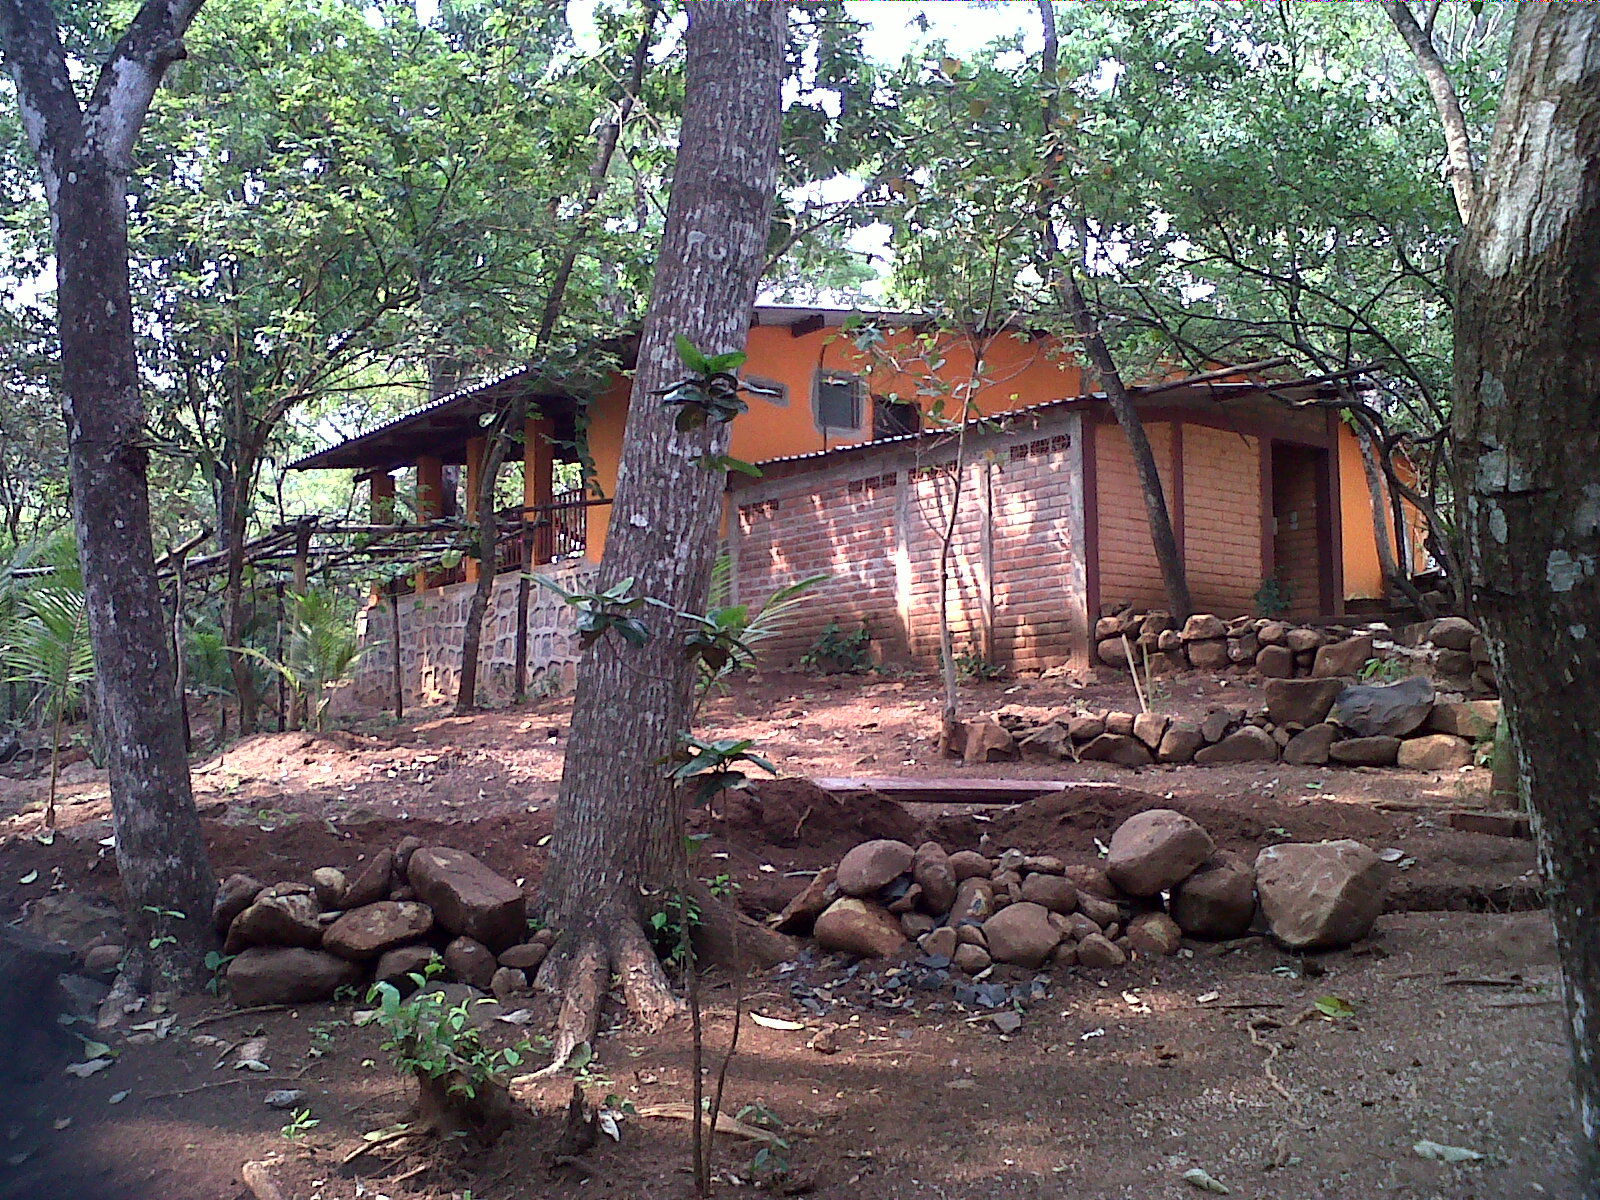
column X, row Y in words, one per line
column 1312, row 722
column 1163, row 880
column 1451, row 647
column 294, row 942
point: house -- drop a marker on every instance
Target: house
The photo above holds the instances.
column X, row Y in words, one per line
column 1270, row 502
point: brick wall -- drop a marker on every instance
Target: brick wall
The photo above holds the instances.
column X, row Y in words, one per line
column 1296, row 544
column 1222, row 518
column 874, row 521
column 1129, row 573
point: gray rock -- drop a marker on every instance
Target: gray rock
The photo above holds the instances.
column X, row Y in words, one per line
column 1048, row 743
column 1250, row 744
column 279, row 917
column 235, row 894
column 283, row 1098
column 1321, row 895
column 1218, row 900
column 287, row 975
column 1214, row 725
column 468, row 898
column 1300, row 701
column 397, row 965
column 873, row 865
column 1309, row 747
column 1384, row 710
column 1154, row 850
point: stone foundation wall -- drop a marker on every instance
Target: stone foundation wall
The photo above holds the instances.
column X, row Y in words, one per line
column 430, row 642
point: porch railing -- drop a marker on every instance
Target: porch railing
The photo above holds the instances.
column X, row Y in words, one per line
column 553, row 532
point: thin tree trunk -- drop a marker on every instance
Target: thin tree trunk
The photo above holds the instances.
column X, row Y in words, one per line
column 1457, row 137
column 620, row 821
column 1378, row 492
column 1063, row 279
column 1527, row 441
column 512, row 421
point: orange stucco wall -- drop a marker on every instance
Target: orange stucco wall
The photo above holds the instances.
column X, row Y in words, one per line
column 1363, row 577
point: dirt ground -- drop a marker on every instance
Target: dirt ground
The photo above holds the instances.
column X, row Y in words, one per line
column 899, row 1083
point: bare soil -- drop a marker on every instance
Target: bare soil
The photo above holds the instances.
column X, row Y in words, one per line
column 1113, row 1086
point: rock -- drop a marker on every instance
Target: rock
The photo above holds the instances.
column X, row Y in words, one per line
column 974, row 960
column 941, row 942
column 974, row 901
column 235, row 894
column 1475, row 719
column 1457, row 664
column 1250, row 744
column 1300, row 701
column 470, row 961
column 1086, row 728
column 986, row 741
column 1064, row 955
column 1122, row 749
column 1048, row 743
column 1305, row 641
column 328, row 884
column 1309, row 747
column 1275, row 662
column 1207, row 656
column 1112, row 652
column 1480, row 650
column 1343, row 658
column 1452, row 633
column 1154, row 935
column 1243, row 649
column 873, row 865
column 524, row 957
column 1385, row 709
column 287, row 975
column 915, row 924
column 1150, row 728
column 403, row 850
column 1044, row 864
column 372, row 882
column 1203, row 627
column 801, row 913
column 1365, row 752
column 508, row 985
column 1273, row 633
column 278, row 917
column 1435, row 752
column 1021, row 934
column 1218, row 900
column 1113, row 625
column 906, row 901
column 1170, row 641
column 103, row 961
column 76, row 921
column 1120, row 723
column 859, row 927
column 368, row 931
column 1091, row 880
column 1098, row 952
column 971, row 935
column 1321, row 895
column 394, row 966
column 1054, row 892
column 1155, row 623
column 1494, row 824
column 284, row 1098
column 468, row 898
column 931, row 869
column 1154, row 850
column 1214, row 725
column 969, row 864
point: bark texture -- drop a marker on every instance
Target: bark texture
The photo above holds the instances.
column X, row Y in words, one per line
column 617, row 852
column 1527, row 433
column 1457, row 137
column 84, row 153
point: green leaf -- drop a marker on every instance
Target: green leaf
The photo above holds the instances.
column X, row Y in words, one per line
column 1334, row 1007
column 691, row 357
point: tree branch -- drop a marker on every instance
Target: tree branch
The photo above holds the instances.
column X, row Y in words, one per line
column 128, row 81
column 1457, row 138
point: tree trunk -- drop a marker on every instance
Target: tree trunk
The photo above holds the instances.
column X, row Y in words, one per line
column 1063, row 279
column 1527, row 440
column 1457, row 137
column 617, row 851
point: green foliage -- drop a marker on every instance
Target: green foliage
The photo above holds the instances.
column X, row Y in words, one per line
column 600, row 613
column 838, row 652
column 1384, row 670
column 712, row 766
column 299, row 1125
column 320, row 649
column 771, row 1159
column 710, row 392
column 972, row 666
column 669, row 929
column 46, row 643
column 1274, row 597
column 429, row 1036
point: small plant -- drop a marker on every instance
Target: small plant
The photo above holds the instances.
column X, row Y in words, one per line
column 301, row 1124
column 321, row 1036
column 600, row 613
column 712, row 766
column 771, row 1160
column 217, row 963
column 972, row 667
column 1383, row 670
column 722, row 886
column 170, row 914
column 668, row 931
column 1274, row 597
column 837, row 652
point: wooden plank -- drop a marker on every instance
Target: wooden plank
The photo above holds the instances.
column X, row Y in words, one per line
column 948, row 791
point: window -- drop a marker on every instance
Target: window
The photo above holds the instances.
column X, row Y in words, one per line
column 894, row 418
column 770, row 390
column 837, row 398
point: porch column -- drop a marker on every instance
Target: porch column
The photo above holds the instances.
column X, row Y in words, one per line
column 473, row 566
column 380, row 504
column 430, row 499
column 538, row 484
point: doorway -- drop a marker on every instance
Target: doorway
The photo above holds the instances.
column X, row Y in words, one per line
column 1302, row 530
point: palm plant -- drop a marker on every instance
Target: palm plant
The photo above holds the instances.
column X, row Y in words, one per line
column 319, row 651
column 746, row 629
column 47, row 645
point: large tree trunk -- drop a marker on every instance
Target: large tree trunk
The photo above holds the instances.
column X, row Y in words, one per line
column 617, row 851
column 1527, row 434
column 83, row 155
column 1063, row 279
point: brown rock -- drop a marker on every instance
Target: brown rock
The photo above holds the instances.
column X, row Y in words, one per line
column 1065, row 954
column 1086, row 728
column 236, row 893
column 1054, row 892
column 1301, row 701
column 1079, row 926
column 1098, row 952
column 1305, row 641
column 1243, row 649
column 1344, row 658
column 1214, row 725
column 986, row 741
column 403, row 850
column 1365, row 752
column 873, row 865
column 1169, row 641
column 1048, row 743
column 104, row 959
column 1120, row 723
column 974, row 960
column 971, row 935
column 508, row 985
column 854, row 926
column 1457, row 664
column 368, row 931
column 1321, row 895
column 1452, row 633
column 1021, row 934
column 470, row 961
column 1150, row 728
column 1475, row 719
column 1309, row 747
column 467, row 897
column 1124, row 750
column 1218, row 900
column 1494, row 824
column 906, row 901
column 1273, row 633
column 1275, row 662
column 1044, row 864
column 1250, row 744
column 372, row 882
column 969, row 864
column 328, row 884
column 974, row 901
column 1435, row 752
column 1207, row 656
column 1112, row 652
column 941, row 942
column 1203, row 627
column 1156, row 849
column 287, row 975
column 278, row 917
column 397, row 965
column 1154, row 935
column 525, row 957
column 801, row 913
column 1091, row 880
column 1480, row 650
column 930, row 867
column 915, row 924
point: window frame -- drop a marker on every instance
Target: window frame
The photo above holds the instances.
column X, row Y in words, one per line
column 858, row 385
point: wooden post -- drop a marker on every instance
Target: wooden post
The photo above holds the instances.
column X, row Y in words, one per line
column 538, row 485
column 380, row 505
column 396, row 671
column 430, row 500
column 473, row 564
